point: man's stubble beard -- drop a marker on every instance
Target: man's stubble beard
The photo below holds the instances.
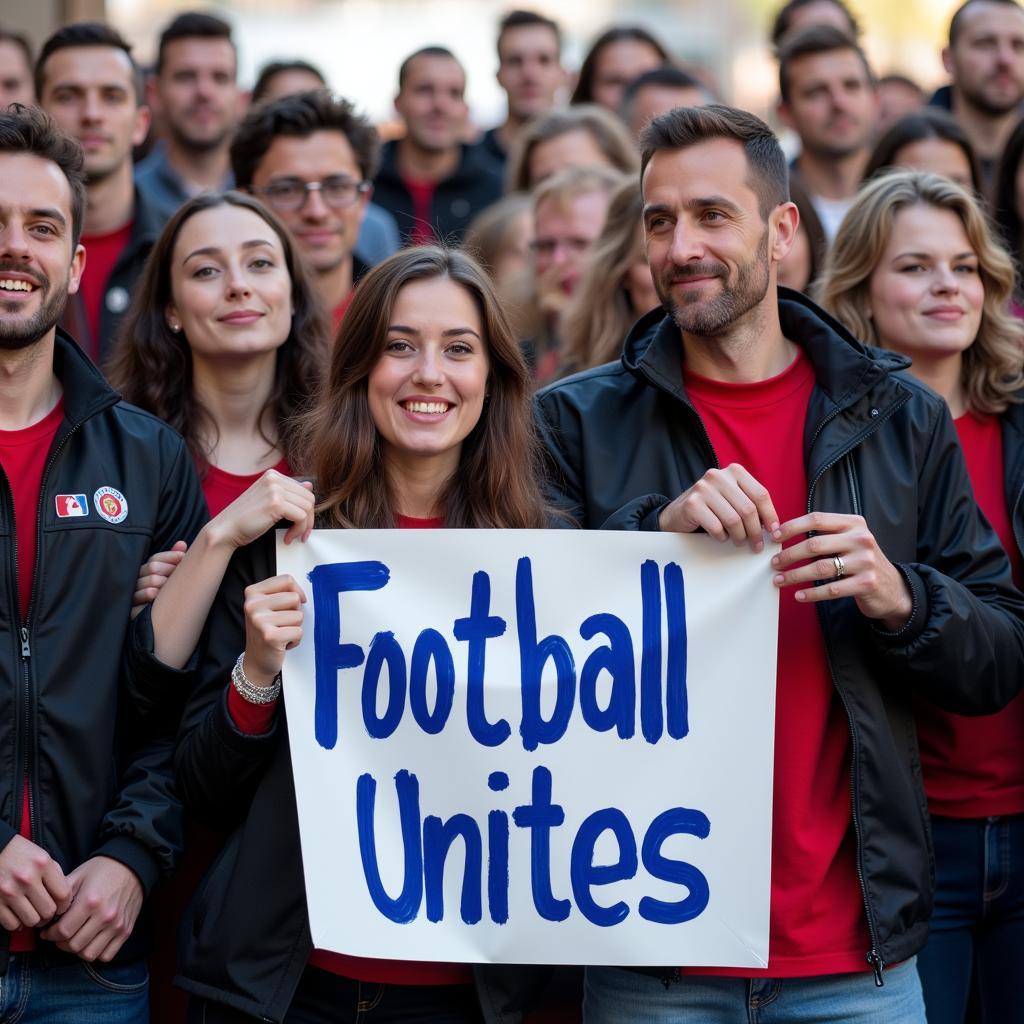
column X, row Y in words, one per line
column 981, row 103
column 712, row 317
column 19, row 335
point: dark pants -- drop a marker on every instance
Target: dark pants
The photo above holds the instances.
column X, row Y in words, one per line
column 977, row 929
column 325, row 998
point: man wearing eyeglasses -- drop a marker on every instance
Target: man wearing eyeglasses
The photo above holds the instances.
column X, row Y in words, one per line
column 310, row 157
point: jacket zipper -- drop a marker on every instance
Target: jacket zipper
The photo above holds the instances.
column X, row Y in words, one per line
column 873, row 957
column 26, row 634
column 23, row 635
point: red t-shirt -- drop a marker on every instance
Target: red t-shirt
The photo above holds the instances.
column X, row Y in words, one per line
column 339, row 311
column 422, row 195
column 220, row 488
column 23, row 455
column 817, row 915
column 974, row 767
column 257, row 718
column 101, row 253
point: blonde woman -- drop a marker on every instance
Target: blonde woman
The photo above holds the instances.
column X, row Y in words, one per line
column 616, row 288
column 916, row 269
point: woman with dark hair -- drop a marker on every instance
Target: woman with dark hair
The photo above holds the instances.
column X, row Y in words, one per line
column 1008, row 208
column 916, row 268
column 927, row 140
column 616, row 57
column 224, row 340
column 423, row 420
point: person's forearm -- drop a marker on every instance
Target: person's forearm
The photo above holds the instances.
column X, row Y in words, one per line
column 181, row 607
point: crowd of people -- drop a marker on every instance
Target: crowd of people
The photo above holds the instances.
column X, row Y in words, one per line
column 628, row 306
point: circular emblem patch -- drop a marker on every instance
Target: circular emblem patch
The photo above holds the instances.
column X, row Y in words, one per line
column 110, row 504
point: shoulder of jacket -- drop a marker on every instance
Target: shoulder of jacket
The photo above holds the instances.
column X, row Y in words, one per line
column 609, row 376
column 144, row 423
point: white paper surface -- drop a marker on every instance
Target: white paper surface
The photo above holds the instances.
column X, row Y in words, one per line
column 721, row 769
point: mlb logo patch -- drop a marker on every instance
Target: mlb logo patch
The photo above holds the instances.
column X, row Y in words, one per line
column 71, row 506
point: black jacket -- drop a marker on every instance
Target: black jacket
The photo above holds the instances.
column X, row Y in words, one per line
column 99, row 784
column 245, row 939
column 476, row 183
column 147, row 223
column 1012, row 425
column 624, row 439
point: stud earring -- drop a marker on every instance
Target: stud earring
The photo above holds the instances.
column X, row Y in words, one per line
column 175, row 327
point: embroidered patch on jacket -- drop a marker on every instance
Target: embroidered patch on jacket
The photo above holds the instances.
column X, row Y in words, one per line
column 71, row 506
column 110, row 504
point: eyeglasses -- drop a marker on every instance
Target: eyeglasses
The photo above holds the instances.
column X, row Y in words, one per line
column 337, row 192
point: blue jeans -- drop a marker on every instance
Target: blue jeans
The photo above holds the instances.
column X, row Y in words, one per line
column 977, row 929
column 40, row 988
column 613, row 995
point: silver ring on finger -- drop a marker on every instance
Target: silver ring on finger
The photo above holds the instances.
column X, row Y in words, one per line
column 840, row 568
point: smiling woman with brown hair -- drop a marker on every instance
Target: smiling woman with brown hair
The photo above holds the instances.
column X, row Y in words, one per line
column 423, row 421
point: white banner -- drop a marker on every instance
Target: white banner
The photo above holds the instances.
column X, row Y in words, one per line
column 534, row 746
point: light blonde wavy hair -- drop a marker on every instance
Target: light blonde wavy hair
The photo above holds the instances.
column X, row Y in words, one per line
column 993, row 366
column 599, row 315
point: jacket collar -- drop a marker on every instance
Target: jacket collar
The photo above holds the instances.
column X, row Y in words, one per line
column 147, row 221
column 845, row 369
column 86, row 391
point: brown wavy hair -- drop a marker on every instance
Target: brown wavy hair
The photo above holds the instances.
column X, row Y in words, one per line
column 992, row 366
column 152, row 366
column 496, row 483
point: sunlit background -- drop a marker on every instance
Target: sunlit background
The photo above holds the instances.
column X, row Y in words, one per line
column 360, row 43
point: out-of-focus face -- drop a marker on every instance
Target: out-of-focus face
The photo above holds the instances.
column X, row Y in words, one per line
column 822, row 12
column 432, row 103
column 231, row 293
column 530, row 69
column 90, row 92
column 938, row 156
column 514, row 258
column 426, row 392
column 39, row 266
column 895, row 100
column 197, row 94
column 926, row 293
column 653, row 100
column 287, row 83
column 324, row 231
column 832, row 104
column 709, row 250
column 577, row 148
column 564, row 232
column 15, row 76
column 643, row 296
column 987, row 60
column 795, row 269
column 617, row 65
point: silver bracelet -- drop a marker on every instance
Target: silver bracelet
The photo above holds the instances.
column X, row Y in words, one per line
column 249, row 691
